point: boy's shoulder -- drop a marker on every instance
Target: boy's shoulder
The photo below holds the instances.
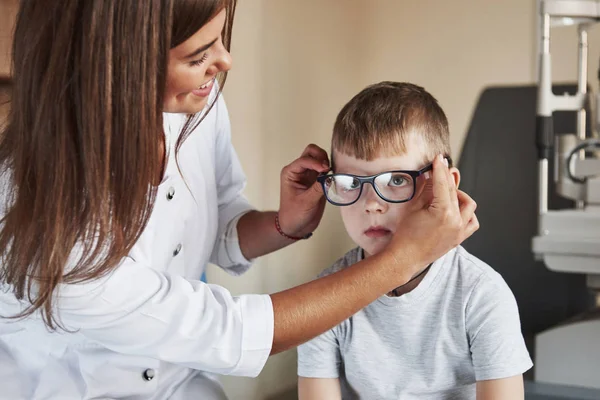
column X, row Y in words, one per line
column 481, row 288
column 472, row 271
column 352, row 257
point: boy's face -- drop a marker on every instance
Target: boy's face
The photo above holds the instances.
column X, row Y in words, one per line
column 372, row 221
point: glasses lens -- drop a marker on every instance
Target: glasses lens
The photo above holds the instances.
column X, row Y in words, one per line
column 395, row 186
column 342, row 189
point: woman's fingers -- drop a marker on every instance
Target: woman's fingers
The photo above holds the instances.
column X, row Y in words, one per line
column 317, row 153
column 443, row 191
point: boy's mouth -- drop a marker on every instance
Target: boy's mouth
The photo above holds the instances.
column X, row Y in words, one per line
column 377, row 232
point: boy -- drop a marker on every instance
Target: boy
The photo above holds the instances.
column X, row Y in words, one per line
column 453, row 331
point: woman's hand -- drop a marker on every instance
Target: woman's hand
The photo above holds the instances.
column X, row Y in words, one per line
column 302, row 201
column 301, row 207
column 441, row 218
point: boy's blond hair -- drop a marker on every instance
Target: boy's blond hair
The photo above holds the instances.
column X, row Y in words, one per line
column 378, row 120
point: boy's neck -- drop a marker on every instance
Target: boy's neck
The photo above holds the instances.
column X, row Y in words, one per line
column 410, row 285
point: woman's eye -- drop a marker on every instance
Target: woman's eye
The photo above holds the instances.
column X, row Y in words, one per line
column 200, row 61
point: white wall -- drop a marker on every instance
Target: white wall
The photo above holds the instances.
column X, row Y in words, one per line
column 297, row 63
column 453, row 49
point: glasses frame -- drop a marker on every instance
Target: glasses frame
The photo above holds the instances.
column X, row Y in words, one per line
column 371, row 179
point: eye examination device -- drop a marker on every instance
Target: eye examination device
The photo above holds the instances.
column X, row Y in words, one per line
column 568, row 241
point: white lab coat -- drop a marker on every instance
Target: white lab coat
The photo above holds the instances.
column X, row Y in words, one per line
column 145, row 330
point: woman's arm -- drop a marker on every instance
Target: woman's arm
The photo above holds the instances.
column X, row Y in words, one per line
column 258, row 236
column 319, row 389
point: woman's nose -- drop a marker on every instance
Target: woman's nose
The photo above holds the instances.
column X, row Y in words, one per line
column 224, row 60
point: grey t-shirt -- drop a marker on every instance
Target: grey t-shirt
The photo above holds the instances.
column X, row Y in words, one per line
column 458, row 326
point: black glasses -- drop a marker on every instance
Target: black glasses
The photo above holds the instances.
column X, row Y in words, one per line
column 391, row 186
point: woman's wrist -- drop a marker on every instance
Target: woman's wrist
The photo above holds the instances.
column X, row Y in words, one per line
column 403, row 264
column 290, row 236
column 257, row 234
column 287, row 226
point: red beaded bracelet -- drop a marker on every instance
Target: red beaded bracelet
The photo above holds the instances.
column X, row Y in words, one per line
column 282, row 233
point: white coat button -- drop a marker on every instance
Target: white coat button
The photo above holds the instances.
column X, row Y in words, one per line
column 148, row 374
column 171, row 193
column 177, row 249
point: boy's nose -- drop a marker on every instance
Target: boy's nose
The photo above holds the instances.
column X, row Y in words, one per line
column 373, row 203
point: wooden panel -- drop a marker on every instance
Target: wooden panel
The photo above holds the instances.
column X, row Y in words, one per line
column 8, row 12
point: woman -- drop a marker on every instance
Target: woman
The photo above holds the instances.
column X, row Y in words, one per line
column 113, row 200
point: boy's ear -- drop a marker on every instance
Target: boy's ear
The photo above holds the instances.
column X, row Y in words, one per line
column 456, row 175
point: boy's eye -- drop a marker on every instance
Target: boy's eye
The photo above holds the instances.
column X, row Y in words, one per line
column 397, row 180
column 346, row 183
column 355, row 184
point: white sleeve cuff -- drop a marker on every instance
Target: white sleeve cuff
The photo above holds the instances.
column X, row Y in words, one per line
column 257, row 335
column 228, row 254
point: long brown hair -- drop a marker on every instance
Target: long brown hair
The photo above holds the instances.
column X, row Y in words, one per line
column 81, row 149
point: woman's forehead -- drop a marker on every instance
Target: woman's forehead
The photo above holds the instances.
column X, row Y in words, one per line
column 209, row 33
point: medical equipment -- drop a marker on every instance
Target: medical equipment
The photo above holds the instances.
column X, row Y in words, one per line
column 568, row 241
